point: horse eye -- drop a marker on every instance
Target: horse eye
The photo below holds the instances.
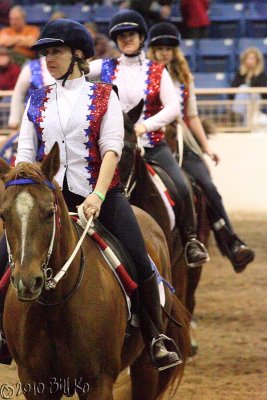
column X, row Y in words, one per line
column 50, row 214
column 2, row 217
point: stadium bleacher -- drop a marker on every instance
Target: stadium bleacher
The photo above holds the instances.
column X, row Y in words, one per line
column 235, row 25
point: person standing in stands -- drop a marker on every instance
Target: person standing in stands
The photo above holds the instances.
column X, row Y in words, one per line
column 164, row 41
column 195, row 18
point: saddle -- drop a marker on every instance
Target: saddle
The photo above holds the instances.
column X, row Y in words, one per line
column 198, row 197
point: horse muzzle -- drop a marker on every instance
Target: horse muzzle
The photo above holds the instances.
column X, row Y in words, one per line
column 27, row 289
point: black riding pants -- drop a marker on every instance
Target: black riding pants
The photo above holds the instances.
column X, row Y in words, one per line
column 195, row 167
column 117, row 216
column 186, row 220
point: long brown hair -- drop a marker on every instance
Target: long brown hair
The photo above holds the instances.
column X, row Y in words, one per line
column 178, row 67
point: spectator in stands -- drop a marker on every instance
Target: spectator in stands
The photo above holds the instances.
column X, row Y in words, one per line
column 195, row 18
column 251, row 73
column 152, row 11
column 19, row 36
column 164, row 40
column 9, row 71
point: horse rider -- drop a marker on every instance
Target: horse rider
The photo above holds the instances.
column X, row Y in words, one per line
column 139, row 78
column 34, row 75
column 164, row 40
column 86, row 120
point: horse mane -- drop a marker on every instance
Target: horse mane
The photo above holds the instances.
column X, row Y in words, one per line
column 27, row 170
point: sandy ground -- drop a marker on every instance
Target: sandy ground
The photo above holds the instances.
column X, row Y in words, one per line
column 231, row 315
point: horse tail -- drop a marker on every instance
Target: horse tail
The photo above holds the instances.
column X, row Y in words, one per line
column 181, row 335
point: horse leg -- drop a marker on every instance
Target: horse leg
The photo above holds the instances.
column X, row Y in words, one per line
column 193, row 275
column 102, row 390
column 144, row 378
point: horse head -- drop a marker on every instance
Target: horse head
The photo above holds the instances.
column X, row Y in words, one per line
column 130, row 141
column 29, row 212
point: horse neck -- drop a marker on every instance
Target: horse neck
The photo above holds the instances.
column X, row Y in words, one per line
column 66, row 237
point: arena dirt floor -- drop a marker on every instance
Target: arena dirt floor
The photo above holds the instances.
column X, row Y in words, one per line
column 232, row 328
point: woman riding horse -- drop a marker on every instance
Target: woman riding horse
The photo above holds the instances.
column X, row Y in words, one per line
column 86, row 120
column 164, row 41
column 138, row 78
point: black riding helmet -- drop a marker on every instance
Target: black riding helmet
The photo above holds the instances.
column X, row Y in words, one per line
column 127, row 20
column 164, row 34
column 66, row 32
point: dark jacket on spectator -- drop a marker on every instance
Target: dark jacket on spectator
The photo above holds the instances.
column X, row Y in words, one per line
column 256, row 81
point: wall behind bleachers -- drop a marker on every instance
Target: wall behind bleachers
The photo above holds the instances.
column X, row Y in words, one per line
column 241, row 175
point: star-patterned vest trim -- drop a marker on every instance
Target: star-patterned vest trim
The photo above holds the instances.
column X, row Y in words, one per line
column 152, row 101
column 97, row 109
column 184, row 104
column 36, row 81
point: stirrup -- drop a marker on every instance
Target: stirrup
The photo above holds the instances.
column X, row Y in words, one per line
column 162, row 338
column 201, row 245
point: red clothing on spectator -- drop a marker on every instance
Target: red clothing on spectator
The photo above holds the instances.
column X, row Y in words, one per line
column 195, row 13
column 9, row 76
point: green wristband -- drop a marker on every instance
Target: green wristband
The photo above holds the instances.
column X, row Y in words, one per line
column 99, row 194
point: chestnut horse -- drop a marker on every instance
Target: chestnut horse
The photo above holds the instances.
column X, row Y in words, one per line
column 146, row 196
column 72, row 338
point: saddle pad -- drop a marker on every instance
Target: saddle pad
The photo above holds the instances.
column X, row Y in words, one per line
column 163, row 191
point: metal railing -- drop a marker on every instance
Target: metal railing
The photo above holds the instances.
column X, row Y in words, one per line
column 213, row 105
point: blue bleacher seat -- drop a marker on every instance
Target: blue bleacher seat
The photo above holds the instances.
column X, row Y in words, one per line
column 79, row 12
column 208, row 80
column 260, row 43
column 227, row 20
column 216, row 55
column 256, row 19
column 38, row 14
column 176, row 16
column 102, row 15
column 188, row 48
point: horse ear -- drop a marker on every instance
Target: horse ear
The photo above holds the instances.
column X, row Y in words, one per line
column 135, row 113
column 51, row 163
column 4, row 168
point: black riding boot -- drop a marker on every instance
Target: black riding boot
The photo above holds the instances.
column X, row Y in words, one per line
column 151, row 327
column 195, row 252
column 231, row 246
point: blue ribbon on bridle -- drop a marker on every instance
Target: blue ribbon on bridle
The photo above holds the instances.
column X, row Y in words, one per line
column 28, row 181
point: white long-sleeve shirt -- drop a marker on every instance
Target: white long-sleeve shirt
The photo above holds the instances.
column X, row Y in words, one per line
column 65, row 120
column 130, row 79
column 17, row 105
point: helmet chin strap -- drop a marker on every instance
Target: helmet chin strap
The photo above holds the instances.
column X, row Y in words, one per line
column 74, row 58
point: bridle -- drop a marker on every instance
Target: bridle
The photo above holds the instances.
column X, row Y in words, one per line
column 50, row 282
column 131, row 183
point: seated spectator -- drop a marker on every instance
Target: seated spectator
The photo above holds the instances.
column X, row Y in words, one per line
column 195, row 18
column 9, row 71
column 251, row 73
column 19, row 36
